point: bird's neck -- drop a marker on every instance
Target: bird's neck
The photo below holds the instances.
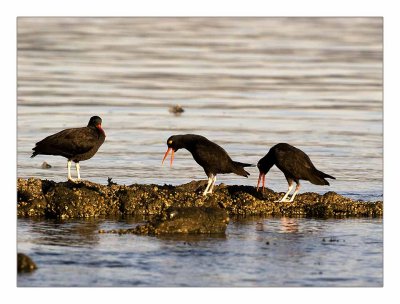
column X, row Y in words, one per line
column 187, row 143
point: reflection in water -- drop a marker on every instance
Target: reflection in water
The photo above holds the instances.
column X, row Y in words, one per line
column 260, row 226
column 190, row 239
column 289, row 225
column 66, row 232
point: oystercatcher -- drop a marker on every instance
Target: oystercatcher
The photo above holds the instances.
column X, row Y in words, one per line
column 75, row 144
column 207, row 154
column 294, row 164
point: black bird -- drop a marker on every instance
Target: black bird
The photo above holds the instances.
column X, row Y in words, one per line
column 294, row 164
column 207, row 154
column 75, row 144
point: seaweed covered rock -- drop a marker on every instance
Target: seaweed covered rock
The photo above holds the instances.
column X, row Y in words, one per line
column 30, row 197
column 190, row 220
column 25, row 263
column 43, row 198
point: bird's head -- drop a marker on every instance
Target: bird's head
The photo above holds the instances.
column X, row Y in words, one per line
column 95, row 121
column 174, row 143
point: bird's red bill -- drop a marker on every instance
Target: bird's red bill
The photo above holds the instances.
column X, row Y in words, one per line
column 261, row 177
column 101, row 129
column 166, row 154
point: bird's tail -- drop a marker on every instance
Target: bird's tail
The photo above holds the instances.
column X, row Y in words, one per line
column 319, row 178
column 239, row 168
column 34, row 154
column 324, row 175
column 243, row 164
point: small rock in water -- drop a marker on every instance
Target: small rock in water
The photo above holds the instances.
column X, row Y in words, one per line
column 45, row 166
column 25, row 263
column 177, row 109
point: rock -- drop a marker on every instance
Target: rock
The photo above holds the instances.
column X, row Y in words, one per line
column 177, row 109
column 25, row 263
column 45, row 166
column 30, row 198
column 43, row 198
column 208, row 220
column 191, row 220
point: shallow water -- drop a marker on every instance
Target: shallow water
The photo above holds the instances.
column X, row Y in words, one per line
column 245, row 83
column 254, row 252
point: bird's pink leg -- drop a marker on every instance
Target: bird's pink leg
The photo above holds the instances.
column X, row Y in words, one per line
column 214, row 178
column 210, row 179
column 295, row 192
column 78, row 166
column 69, row 170
column 284, row 198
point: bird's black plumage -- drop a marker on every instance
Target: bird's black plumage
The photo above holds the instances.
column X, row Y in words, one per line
column 76, row 144
column 295, row 165
column 212, row 157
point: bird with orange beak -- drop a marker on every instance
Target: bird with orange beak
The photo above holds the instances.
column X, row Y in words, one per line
column 295, row 165
column 207, row 154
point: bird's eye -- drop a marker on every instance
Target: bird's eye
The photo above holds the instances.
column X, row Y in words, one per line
column 170, row 141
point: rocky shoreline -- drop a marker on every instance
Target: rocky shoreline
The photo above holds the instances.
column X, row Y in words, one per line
column 173, row 209
column 46, row 198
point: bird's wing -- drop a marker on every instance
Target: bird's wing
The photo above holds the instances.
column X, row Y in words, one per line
column 212, row 155
column 73, row 141
column 295, row 162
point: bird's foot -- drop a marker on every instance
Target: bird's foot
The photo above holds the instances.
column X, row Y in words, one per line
column 283, row 201
column 261, row 192
column 77, row 180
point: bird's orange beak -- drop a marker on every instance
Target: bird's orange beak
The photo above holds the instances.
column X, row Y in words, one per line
column 166, row 154
column 261, row 177
column 101, row 129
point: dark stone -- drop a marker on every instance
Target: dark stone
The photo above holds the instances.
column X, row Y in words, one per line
column 176, row 109
column 45, row 166
column 30, row 198
column 190, row 220
column 25, row 263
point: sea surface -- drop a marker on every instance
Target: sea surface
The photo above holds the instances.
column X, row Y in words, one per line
column 245, row 83
column 255, row 252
